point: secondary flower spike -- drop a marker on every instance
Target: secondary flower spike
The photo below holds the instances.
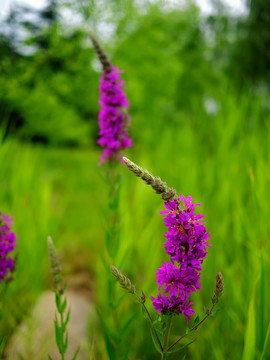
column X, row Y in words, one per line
column 123, row 280
column 160, row 187
column 113, row 118
column 7, row 245
column 186, row 245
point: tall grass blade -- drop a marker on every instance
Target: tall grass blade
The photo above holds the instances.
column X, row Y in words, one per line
column 250, row 335
column 266, row 342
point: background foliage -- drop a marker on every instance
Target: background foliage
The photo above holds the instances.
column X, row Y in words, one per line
column 198, row 89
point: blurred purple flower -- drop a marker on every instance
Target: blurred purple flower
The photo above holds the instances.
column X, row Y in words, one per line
column 113, row 119
column 7, row 245
column 186, row 245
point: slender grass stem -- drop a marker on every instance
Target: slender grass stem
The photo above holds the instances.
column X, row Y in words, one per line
column 151, row 321
column 165, row 341
column 193, row 328
column 112, row 177
column 62, row 334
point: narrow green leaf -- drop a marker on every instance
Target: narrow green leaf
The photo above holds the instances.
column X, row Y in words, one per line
column 56, row 320
column 58, row 337
column 155, row 341
column 106, row 267
column 127, row 325
column 111, row 284
column 49, row 357
column 116, row 304
column 261, row 307
column 196, row 321
column 109, row 333
column 110, row 348
column 113, row 204
column 63, row 306
column 266, row 342
column 156, row 322
column 124, row 258
column 250, row 335
column 126, row 354
column 158, row 325
column 65, row 323
column 181, row 347
column 143, row 297
column 65, row 343
column 214, row 312
column 76, row 353
column 109, row 242
column 58, row 301
column 119, row 181
column 144, row 314
column 116, row 244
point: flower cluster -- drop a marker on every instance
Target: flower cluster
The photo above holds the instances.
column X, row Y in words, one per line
column 186, row 246
column 7, row 245
column 113, row 120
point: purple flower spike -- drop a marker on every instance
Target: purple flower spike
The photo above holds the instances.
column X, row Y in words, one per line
column 7, row 245
column 113, row 120
column 186, row 244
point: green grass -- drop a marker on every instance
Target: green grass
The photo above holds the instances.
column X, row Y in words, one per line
column 222, row 161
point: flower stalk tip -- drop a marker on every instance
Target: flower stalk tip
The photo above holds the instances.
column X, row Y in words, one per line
column 55, row 266
column 123, row 280
column 218, row 292
column 113, row 119
column 101, row 54
column 186, row 245
column 159, row 186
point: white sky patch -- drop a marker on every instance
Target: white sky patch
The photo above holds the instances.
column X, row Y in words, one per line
column 235, row 7
column 6, row 5
column 205, row 6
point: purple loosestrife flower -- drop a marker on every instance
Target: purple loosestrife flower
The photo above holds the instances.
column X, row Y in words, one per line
column 7, row 245
column 113, row 118
column 186, row 246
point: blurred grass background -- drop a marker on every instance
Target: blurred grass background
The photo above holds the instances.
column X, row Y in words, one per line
column 198, row 88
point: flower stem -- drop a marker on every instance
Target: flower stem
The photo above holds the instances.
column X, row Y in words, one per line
column 151, row 321
column 167, row 332
column 62, row 333
column 194, row 327
column 113, row 205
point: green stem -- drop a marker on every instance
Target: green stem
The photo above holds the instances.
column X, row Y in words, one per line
column 193, row 328
column 112, row 179
column 112, row 302
column 168, row 327
column 151, row 321
column 113, row 205
column 62, row 333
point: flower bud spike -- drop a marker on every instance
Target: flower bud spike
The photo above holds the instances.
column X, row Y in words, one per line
column 101, row 54
column 123, row 280
column 113, row 119
column 54, row 263
column 159, row 186
column 218, row 292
